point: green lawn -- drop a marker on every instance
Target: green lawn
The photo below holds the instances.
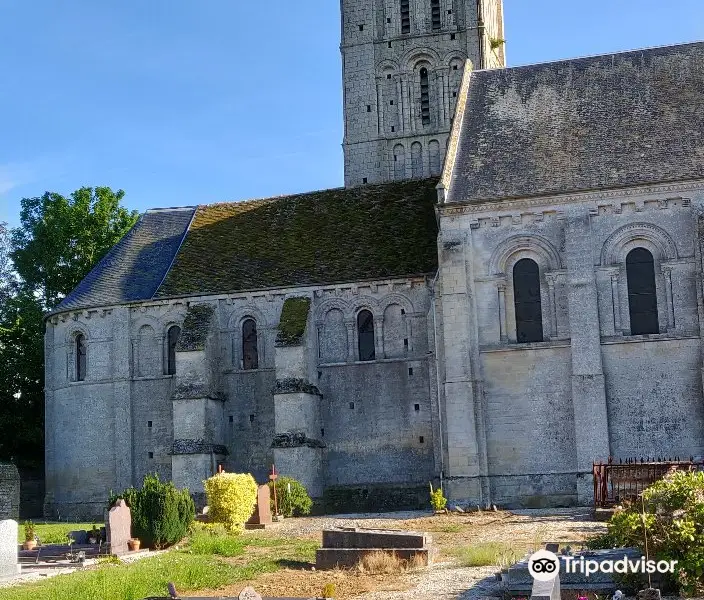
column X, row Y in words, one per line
column 206, row 562
column 55, row 533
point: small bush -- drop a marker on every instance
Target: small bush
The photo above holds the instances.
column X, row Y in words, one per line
column 291, row 496
column 674, row 522
column 231, row 498
column 437, row 499
column 161, row 513
column 328, row 590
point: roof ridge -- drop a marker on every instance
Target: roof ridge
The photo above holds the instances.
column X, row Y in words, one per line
column 369, row 186
column 586, row 56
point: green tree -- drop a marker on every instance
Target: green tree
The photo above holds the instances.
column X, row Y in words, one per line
column 62, row 238
column 7, row 277
column 58, row 242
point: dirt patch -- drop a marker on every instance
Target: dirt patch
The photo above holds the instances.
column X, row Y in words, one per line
column 444, row 580
column 299, row 583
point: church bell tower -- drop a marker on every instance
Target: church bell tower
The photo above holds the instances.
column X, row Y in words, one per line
column 402, row 65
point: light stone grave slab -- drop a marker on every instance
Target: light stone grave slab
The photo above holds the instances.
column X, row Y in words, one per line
column 9, row 566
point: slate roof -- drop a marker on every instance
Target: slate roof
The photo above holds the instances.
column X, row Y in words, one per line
column 330, row 236
column 136, row 265
column 623, row 119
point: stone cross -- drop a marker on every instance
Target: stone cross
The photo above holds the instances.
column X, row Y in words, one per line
column 119, row 528
column 8, row 549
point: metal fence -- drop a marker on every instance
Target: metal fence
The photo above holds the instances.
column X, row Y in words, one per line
column 616, row 482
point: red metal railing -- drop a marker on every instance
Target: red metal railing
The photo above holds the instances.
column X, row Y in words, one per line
column 616, row 482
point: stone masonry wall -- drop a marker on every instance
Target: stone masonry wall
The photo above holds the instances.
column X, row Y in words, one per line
column 591, row 389
column 106, row 432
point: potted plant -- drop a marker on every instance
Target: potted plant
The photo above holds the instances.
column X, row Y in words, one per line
column 133, row 544
column 29, row 542
column 94, row 535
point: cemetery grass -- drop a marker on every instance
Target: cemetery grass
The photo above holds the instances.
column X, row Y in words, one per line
column 207, row 564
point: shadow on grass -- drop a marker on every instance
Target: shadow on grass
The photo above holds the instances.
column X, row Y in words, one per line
column 297, row 565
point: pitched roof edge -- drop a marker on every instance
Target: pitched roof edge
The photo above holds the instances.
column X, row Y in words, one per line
column 178, row 249
column 590, row 56
column 454, row 139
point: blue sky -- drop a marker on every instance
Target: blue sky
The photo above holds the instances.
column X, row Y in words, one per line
column 182, row 103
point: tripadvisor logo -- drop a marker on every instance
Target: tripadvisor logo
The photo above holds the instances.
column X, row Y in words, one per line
column 545, row 565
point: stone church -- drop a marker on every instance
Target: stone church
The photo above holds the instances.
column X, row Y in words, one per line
column 508, row 288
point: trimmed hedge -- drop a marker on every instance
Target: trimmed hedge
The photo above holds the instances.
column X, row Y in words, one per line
column 231, row 498
column 161, row 513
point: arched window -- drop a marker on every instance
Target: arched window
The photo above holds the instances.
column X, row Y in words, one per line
column 435, row 14
column 80, row 357
column 250, row 354
column 416, row 160
column 171, row 341
column 642, row 298
column 405, row 16
column 526, row 297
column 399, row 162
column 434, row 151
column 365, row 333
column 424, row 96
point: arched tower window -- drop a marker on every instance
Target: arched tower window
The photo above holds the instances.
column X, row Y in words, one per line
column 435, row 14
column 424, row 96
column 526, row 297
column 416, row 160
column 171, row 341
column 642, row 298
column 435, row 162
column 365, row 334
column 405, row 16
column 81, row 351
column 399, row 162
column 250, row 354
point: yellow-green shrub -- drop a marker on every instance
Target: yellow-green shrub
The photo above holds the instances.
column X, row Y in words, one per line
column 231, row 498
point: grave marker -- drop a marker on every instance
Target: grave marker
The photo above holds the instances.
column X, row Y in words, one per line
column 119, row 527
column 8, row 549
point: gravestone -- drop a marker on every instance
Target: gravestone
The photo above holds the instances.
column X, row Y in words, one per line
column 9, row 491
column 79, row 537
column 119, row 528
column 249, row 593
column 262, row 509
column 8, row 549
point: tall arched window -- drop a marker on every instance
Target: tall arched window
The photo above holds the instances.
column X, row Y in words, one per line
column 416, row 160
column 642, row 298
column 424, row 96
column 250, row 354
column 405, row 16
column 435, row 14
column 399, row 162
column 365, row 334
column 80, row 357
column 434, row 151
column 171, row 341
column 526, row 297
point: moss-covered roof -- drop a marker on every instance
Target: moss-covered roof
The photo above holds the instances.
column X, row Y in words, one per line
column 331, row 236
column 292, row 324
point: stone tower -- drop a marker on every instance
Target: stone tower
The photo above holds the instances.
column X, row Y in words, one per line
column 402, row 65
